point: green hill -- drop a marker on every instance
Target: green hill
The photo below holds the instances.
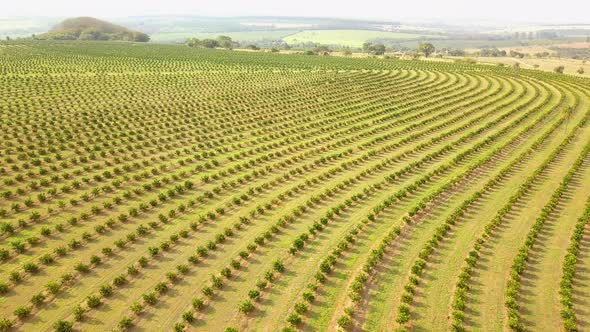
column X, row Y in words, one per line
column 88, row 28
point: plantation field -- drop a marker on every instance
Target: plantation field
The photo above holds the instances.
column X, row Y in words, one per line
column 571, row 66
column 149, row 187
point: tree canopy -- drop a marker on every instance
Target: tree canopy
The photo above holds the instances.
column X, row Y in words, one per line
column 426, row 48
column 377, row 49
column 221, row 41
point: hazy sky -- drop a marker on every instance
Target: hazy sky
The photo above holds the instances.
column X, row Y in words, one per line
column 509, row 10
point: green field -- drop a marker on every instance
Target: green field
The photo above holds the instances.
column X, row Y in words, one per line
column 150, row 187
column 242, row 36
column 476, row 44
column 351, row 38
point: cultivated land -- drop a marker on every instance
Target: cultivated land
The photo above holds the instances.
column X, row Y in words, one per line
column 157, row 188
column 571, row 66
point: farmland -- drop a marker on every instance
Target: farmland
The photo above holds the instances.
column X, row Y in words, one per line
column 243, row 37
column 351, row 38
column 571, row 66
column 156, row 187
column 348, row 38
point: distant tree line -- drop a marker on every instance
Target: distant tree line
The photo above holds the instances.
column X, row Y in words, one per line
column 308, row 48
column 453, row 52
column 516, row 54
column 376, row 49
column 93, row 34
column 221, row 41
column 492, row 52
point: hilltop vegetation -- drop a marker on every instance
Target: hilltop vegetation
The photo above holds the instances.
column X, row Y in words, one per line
column 154, row 187
column 88, row 28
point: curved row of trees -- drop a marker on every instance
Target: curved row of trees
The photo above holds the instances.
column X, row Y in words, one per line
column 417, row 269
column 568, row 271
column 520, row 261
column 95, row 170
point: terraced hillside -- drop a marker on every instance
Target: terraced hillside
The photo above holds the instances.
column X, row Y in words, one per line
column 159, row 188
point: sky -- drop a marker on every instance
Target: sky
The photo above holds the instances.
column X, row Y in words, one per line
column 500, row 10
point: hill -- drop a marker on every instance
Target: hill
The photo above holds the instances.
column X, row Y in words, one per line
column 89, row 28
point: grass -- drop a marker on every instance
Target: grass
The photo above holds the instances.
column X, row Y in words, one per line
column 240, row 36
column 476, row 44
column 351, row 38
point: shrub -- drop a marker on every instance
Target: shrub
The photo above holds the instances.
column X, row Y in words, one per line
column 188, row 317
column 15, row 277
column 294, row 319
column 82, row 268
column 307, row 296
column 198, row 304
column 261, row 284
column 278, row 266
column 92, row 301
column 106, row 290
column 120, row 280
column 246, row 307
column 137, row 308
column 6, row 324
column 161, row 287
column 63, row 326
column 403, row 314
column 95, row 260
column 184, row 269
column 207, row 291
column 226, row 272
column 79, row 313
column 300, row 308
column 254, row 295
column 345, row 322
column 559, row 69
column 150, row 298
column 217, row 282
column 125, row 323
column 22, row 312
column 37, row 299
column 31, row 268
column 172, row 277
column 53, row 287
column 46, row 259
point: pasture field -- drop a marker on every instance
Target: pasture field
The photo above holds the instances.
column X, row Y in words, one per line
column 474, row 45
column 154, row 187
column 351, row 38
column 240, row 36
